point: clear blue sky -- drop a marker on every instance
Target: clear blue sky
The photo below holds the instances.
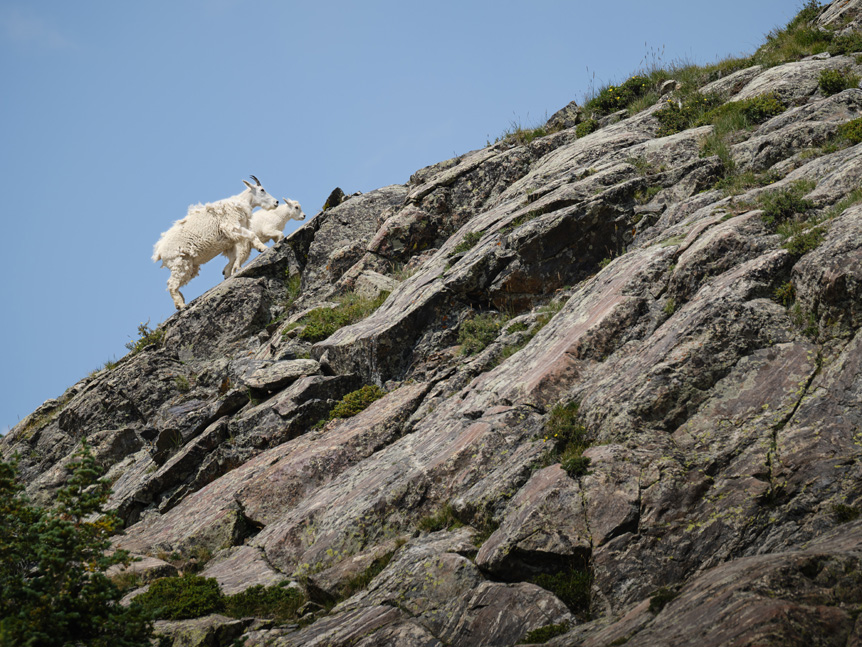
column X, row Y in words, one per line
column 118, row 115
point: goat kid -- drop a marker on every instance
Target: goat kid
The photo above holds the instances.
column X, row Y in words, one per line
column 267, row 225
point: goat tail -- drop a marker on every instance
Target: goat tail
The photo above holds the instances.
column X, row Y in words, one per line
column 157, row 252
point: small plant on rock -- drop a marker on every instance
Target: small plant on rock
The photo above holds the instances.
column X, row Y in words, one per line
column 800, row 237
column 782, row 205
column 618, row 97
column 785, row 294
column 543, row 634
column 683, row 113
column 752, row 111
column 180, row 598
column 278, row 602
column 569, row 439
column 479, row 331
column 443, row 519
column 660, row 599
column 363, row 579
column 851, row 131
column 182, row 383
column 571, row 585
column 146, row 337
column 356, row 401
column 844, row 513
column 320, row 323
column 586, row 127
column 835, row 81
column 643, row 196
column 468, row 242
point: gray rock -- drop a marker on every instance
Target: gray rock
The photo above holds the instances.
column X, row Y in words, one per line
column 568, row 117
column 274, row 377
column 371, row 284
column 147, row 569
column 201, row 632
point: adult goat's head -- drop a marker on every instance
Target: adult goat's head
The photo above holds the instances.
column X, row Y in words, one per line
column 259, row 196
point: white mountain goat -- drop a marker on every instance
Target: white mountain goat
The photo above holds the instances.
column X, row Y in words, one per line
column 267, row 225
column 207, row 231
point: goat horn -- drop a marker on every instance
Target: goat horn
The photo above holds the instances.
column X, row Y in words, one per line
column 255, row 179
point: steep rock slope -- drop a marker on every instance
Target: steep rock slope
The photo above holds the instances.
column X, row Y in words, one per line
column 701, row 312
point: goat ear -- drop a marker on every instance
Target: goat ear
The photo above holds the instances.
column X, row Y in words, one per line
column 247, row 184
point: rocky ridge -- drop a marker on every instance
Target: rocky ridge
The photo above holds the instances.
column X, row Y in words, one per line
column 716, row 369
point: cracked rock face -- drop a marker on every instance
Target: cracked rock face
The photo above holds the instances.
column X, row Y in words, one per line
column 711, row 495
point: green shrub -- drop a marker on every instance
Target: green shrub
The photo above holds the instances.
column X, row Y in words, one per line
column 146, row 337
column 851, row 131
column 586, row 127
column 563, row 428
column 569, row 439
column 761, row 108
column 524, row 135
column 520, row 220
column 674, row 118
column 443, row 519
column 363, row 579
column 544, row 634
column 835, row 81
column 845, row 44
column 182, row 383
column 618, row 97
column 320, row 323
column 801, row 237
column 486, row 526
column 642, row 196
column 570, row 585
column 785, row 294
column 192, row 596
column 575, row 465
column 800, row 38
column 477, row 332
column 733, row 117
column 53, row 587
column 660, row 598
column 520, row 326
column 546, row 313
column 468, row 242
column 356, row 401
column 669, row 306
column 844, row 513
column 736, row 115
column 278, row 602
column 852, row 198
column 179, row 598
column 736, row 183
column 782, row 205
column 293, row 284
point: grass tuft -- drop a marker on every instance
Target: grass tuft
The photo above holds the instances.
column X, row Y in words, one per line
column 543, row 634
column 320, row 323
column 479, row 331
column 146, row 338
column 443, row 519
column 835, row 81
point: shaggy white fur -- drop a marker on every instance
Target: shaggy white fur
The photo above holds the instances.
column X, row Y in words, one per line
column 267, row 225
column 207, row 231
